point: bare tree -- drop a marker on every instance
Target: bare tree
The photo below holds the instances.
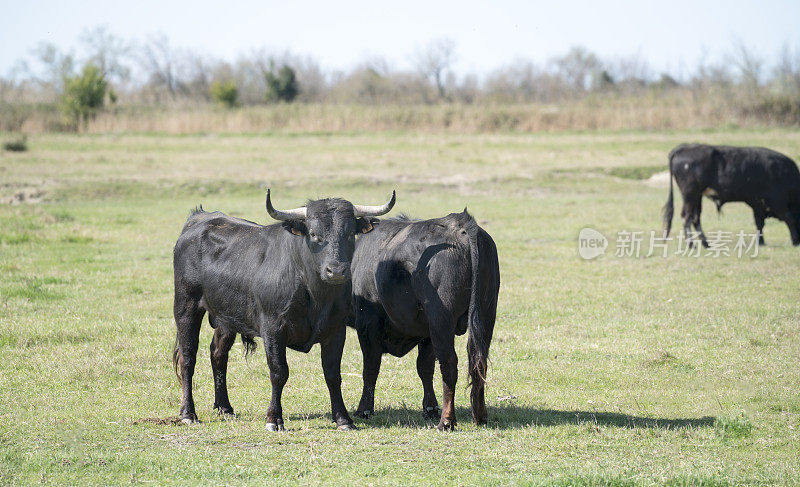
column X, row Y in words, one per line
column 368, row 84
column 787, row 72
column 748, row 64
column 708, row 74
column 578, row 67
column 108, row 52
column 434, row 60
column 159, row 62
column 50, row 66
column 629, row 74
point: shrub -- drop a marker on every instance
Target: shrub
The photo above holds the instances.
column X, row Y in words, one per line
column 283, row 86
column 20, row 144
column 225, row 93
column 782, row 109
column 13, row 116
column 84, row 95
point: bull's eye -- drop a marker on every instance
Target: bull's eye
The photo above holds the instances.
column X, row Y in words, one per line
column 314, row 237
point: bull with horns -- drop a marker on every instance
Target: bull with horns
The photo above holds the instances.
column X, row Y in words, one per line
column 288, row 283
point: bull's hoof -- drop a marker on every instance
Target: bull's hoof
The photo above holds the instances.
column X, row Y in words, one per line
column 275, row 427
column 446, row 425
column 365, row 414
column 480, row 422
column 190, row 420
column 347, row 427
column 432, row 412
column 225, row 412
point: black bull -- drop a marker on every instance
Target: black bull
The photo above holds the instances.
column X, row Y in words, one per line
column 419, row 283
column 768, row 181
column 288, row 283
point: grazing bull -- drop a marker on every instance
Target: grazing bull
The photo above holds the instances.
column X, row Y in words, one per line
column 766, row 180
column 420, row 283
column 288, row 283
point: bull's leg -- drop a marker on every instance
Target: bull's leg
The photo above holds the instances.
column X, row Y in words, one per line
column 448, row 363
column 220, row 346
column 788, row 218
column 426, row 361
column 371, row 353
column 331, row 367
column 275, row 348
column 759, row 216
column 692, row 207
column 477, row 373
column 442, row 328
column 188, row 317
column 698, row 208
column 686, row 212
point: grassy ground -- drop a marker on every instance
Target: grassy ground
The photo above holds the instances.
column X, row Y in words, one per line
column 674, row 370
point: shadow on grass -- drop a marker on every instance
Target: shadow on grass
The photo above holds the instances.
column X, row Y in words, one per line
column 504, row 417
column 512, row 417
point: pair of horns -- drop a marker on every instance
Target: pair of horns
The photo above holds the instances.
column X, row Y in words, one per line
column 300, row 213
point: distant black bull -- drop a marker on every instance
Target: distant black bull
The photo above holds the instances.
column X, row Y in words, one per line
column 419, row 283
column 288, row 283
column 766, row 180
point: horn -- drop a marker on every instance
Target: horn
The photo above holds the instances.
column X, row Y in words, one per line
column 294, row 214
column 361, row 210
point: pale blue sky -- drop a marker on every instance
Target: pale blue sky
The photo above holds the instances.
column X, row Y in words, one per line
column 671, row 35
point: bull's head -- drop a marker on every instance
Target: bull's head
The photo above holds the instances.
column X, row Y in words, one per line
column 329, row 227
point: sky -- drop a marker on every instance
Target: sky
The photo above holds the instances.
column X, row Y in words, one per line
column 672, row 36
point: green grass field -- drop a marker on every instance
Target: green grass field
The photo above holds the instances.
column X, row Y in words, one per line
column 676, row 370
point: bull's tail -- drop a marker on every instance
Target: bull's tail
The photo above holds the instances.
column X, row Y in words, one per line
column 669, row 208
column 249, row 345
column 480, row 320
column 176, row 359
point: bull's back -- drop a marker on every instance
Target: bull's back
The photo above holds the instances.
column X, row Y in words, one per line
column 214, row 238
column 758, row 173
column 224, row 262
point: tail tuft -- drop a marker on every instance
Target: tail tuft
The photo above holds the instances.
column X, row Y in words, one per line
column 249, row 345
column 176, row 359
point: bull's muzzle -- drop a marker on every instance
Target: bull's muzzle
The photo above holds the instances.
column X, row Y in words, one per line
column 336, row 273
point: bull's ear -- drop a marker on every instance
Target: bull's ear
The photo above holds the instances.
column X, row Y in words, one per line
column 296, row 227
column 365, row 224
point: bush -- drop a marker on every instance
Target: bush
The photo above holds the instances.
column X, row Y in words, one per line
column 84, row 95
column 781, row 109
column 20, row 144
column 282, row 87
column 225, row 93
column 13, row 116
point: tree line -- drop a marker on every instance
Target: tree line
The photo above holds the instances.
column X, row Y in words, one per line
column 109, row 70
